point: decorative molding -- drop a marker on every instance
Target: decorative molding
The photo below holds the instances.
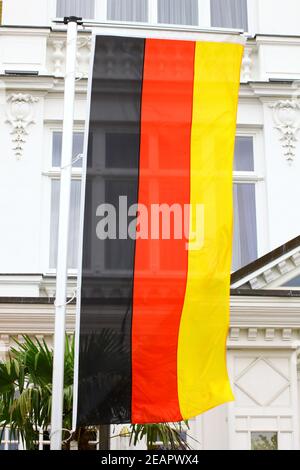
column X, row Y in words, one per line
column 287, row 334
column 58, row 56
column 252, row 334
column 57, row 60
column 283, row 267
column 270, row 334
column 20, row 115
column 264, row 395
column 296, row 259
column 247, row 64
column 269, row 276
column 255, row 283
column 83, row 56
column 234, row 334
column 274, row 274
column 286, row 115
column 263, row 337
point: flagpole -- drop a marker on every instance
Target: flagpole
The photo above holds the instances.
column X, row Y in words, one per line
column 63, row 231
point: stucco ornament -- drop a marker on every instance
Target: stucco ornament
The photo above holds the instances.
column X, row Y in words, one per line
column 286, row 114
column 20, row 115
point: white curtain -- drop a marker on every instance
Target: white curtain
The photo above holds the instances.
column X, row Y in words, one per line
column 245, row 228
column 244, row 154
column 184, row 12
column 81, row 8
column 229, row 14
column 127, row 10
column 57, row 148
column 74, row 224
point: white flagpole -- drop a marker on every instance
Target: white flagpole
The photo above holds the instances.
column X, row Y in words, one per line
column 63, row 231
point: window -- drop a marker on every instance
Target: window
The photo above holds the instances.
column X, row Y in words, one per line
column 81, row 8
column 204, row 13
column 127, row 10
column 10, row 440
column 264, row 441
column 293, row 283
column 184, row 12
column 229, row 14
column 75, row 198
column 245, row 226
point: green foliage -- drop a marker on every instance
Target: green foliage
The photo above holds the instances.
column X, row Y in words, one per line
column 26, row 389
column 26, row 395
column 264, row 441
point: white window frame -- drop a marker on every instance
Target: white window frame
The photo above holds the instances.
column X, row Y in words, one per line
column 203, row 8
column 256, row 177
column 49, row 174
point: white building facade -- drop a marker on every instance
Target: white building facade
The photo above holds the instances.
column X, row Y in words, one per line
column 264, row 339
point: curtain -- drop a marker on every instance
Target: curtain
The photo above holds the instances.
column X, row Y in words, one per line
column 75, row 201
column 81, row 8
column 244, row 155
column 73, row 227
column 57, row 148
column 184, row 12
column 245, row 229
column 229, row 14
column 127, row 10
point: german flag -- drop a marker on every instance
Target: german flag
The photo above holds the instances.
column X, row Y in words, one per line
column 157, row 230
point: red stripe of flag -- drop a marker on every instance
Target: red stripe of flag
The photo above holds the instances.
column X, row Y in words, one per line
column 161, row 265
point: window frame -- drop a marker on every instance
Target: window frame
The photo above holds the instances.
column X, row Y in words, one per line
column 256, row 177
column 204, row 20
column 49, row 174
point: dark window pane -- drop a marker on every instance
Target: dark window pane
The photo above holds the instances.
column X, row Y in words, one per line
column 119, row 150
column 244, row 156
column 119, row 253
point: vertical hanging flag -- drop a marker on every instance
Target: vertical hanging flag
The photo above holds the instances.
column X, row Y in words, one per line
column 157, row 230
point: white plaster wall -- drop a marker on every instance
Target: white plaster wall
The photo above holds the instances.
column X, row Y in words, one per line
column 278, row 17
column 282, row 182
column 29, row 12
column 215, row 429
column 265, row 388
column 20, row 197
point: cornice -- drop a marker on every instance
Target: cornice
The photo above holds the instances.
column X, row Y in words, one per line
column 41, row 83
column 278, row 40
column 246, row 312
column 264, row 312
column 273, row 274
column 25, row 31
